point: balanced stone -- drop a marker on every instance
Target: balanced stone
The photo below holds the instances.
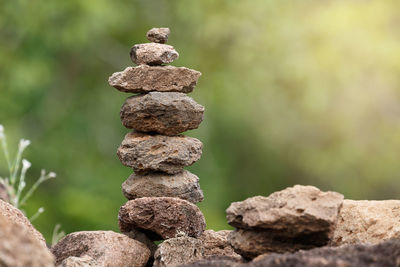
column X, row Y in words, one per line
column 165, row 113
column 217, row 244
column 146, row 153
column 153, row 54
column 144, row 79
column 184, row 185
column 293, row 211
column 107, row 248
column 162, row 217
column 158, row 35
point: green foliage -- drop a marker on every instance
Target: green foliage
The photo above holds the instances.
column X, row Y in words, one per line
column 295, row 92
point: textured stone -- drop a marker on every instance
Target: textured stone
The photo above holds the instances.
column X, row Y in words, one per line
column 107, row 248
column 153, row 54
column 295, row 210
column 141, row 237
column 168, row 113
column 177, row 251
column 158, row 35
column 217, row 244
column 162, row 217
column 17, row 216
column 146, row 153
column 217, row 261
column 184, row 185
column 19, row 247
column 250, row 244
column 144, row 79
column 363, row 221
column 84, row 261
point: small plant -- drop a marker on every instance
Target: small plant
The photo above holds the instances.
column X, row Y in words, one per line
column 57, row 234
column 15, row 183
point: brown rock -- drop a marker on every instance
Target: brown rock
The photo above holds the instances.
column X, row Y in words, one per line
column 364, row 221
column 162, row 217
column 177, row 251
column 168, row 113
column 217, row 261
column 184, row 185
column 107, row 248
column 84, row 261
column 146, row 153
column 293, row 211
column 217, row 244
column 17, row 216
column 141, row 237
column 144, row 79
column 158, row 35
column 250, row 244
column 153, row 54
column 19, row 247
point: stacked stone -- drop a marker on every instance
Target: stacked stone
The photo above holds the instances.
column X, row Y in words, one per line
column 162, row 195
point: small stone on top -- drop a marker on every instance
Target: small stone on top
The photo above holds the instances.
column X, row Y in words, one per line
column 158, row 35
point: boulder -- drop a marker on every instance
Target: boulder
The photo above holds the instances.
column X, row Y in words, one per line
column 153, row 54
column 144, row 79
column 184, row 185
column 364, row 221
column 168, row 113
column 151, row 153
column 292, row 211
column 106, row 248
column 177, row 251
column 217, row 244
column 158, row 35
column 17, row 216
column 19, row 247
column 161, row 217
column 84, row 261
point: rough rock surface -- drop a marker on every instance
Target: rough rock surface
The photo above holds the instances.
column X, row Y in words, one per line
column 294, row 210
column 168, row 113
column 107, row 248
column 216, row 261
column 177, row 251
column 141, row 237
column 144, row 79
column 184, row 185
column 153, row 54
column 162, row 217
column 363, row 221
column 17, row 216
column 19, row 247
column 250, row 244
column 146, row 153
column 158, row 35
column 84, row 261
column 3, row 193
column 217, row 244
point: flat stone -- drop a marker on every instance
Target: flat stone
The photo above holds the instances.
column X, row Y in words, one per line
column 84, row 261
column 293, row 211
column 17, row 216
column 19, row 247
column 152, row 153
column 168, row 113
column 162, row 217
column 144, row 79
column 366, row 221
column 251, row 244
column 153, row 54
column 177, row 251
column 184, row 185
column 158, row 35
column 217, row 244
column 107, row 248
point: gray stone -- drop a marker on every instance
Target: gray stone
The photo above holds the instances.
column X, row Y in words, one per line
column 144, row 79
column 168, row 113
column 177, row 251
column 161, row 217
column 153, row 54
column 147, row 153
column 158, row 35
column 293, row 211
column 106, row 248
column 184, row 185
column 217, row 244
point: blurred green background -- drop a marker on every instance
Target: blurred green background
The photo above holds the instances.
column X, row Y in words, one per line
column 296, row 92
